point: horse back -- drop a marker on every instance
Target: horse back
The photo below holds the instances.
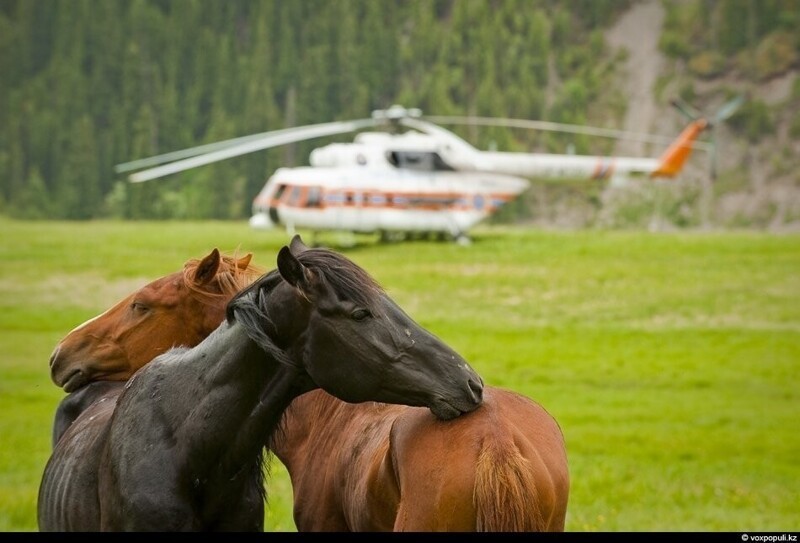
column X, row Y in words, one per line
column 502, row 467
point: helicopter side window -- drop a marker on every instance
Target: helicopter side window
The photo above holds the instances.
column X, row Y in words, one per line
column 314, row 197
column 294, row 196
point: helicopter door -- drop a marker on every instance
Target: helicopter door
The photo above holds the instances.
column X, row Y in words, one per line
column 351, row 214
column 445, row 204
column 273, row 205
column 450, row 194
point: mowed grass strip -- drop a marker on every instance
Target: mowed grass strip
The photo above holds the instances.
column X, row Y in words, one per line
column 669, row 359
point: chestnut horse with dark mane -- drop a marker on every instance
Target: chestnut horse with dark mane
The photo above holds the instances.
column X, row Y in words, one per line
column 180, row 446
column 366, row 466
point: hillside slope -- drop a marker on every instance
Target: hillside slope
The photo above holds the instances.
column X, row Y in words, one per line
column 758, row 182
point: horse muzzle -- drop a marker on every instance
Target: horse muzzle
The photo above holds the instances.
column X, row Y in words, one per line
column 450, row 408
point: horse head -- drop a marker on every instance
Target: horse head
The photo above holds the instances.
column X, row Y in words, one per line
column 341, row 328
column 179, row 309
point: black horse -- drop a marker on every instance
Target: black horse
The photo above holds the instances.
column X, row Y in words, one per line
column 182, row 446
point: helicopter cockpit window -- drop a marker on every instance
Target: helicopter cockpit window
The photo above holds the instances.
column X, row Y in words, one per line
column 418, row 160
column 440, row 165
column 279, row 192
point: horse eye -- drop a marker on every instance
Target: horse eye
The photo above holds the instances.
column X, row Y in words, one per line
column 139, row 307
column 360, row 314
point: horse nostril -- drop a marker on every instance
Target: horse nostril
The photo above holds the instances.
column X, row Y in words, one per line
column 477, row 388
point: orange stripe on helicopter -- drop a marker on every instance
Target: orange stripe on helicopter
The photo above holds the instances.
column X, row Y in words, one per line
column 429, row 201
column 603, row 170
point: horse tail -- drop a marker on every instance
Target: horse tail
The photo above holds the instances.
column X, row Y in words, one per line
column 505, row 496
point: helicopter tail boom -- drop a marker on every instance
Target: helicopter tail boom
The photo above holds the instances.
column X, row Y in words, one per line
column 674, row 158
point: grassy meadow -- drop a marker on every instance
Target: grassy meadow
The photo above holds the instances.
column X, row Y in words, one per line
column 670, row 360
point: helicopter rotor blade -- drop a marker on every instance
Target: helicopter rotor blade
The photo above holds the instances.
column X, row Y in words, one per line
column 432, row 129
column 184, row 153
column 729, row 108
column 688, row 111
column 251, row 144
column 558, row 127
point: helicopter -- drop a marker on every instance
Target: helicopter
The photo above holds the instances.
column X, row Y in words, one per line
column 423, row 182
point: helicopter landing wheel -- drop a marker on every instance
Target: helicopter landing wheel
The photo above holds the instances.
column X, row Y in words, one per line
column 462, row 239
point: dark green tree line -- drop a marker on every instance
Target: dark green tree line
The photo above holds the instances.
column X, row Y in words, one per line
column 87, row 84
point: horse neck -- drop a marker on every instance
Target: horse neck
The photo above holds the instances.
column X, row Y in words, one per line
column 319, row 423
column 249, row 376
column 300, row 421
column 220, row 400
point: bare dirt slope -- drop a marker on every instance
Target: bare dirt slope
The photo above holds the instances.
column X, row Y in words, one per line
column 638, row 32
column 763, row 186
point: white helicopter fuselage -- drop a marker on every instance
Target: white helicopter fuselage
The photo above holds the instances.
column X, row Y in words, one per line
column 384, row 183
column 376, row 199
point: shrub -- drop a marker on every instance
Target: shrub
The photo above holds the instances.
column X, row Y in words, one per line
column 707, row 64
column 775, row 55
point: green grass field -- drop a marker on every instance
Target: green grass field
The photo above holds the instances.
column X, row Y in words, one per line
column 670, row 360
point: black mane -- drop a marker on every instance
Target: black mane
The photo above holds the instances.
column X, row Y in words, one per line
column 252, row 312
column 350, row 281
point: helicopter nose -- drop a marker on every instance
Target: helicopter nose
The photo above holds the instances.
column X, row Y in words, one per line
column 261, row 221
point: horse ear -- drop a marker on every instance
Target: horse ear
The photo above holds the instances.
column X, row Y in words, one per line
column 293, row 271
column 243, row 262
column 297, row 246
column 208, row 267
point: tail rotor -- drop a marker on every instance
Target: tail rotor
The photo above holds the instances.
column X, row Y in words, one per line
column 724, row 112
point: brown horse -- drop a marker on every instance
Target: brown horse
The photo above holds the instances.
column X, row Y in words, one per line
column 181, row 448
column 181, row 308
column 380, row 467
column 376, row 466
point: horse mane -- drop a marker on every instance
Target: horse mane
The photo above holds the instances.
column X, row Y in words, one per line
column 230, row 278
column 251, row 309
column 349, row 280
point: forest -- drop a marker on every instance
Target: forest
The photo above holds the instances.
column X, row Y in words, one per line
column 87, row 84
